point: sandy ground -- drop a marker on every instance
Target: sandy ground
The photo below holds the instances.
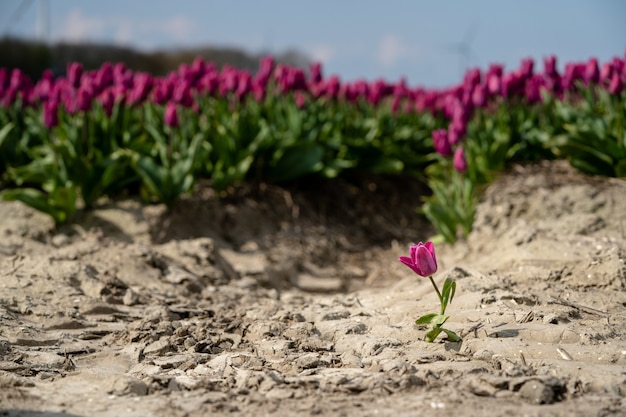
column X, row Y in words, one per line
column 272, row 301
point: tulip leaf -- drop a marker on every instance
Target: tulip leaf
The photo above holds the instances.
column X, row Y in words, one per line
column 453, row 337
column 297, row 161
column 432, row 334
column 43, row 202
column 426, row 319
column 4, row 132
column 620, row 169
column 447, row 293
column 439, row 319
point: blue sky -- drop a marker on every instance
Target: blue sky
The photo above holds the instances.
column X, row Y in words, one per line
column 354, row 39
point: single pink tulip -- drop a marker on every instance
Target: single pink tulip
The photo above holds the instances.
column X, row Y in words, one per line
column 421, row 259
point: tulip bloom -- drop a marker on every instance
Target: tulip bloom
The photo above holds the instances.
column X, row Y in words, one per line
column 616, row 86
column 422, row 259
column 50, row 114
column 459, row 162
column 171, row 116
column 440, row 141
column 74, row 74
column 423, row 262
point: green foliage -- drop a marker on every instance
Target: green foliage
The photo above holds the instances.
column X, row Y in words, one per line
column 594, row 133
column 230, row 139
column 452, row 206
column 436, row 321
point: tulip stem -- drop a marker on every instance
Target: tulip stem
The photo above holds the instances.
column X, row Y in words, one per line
column 443, row 308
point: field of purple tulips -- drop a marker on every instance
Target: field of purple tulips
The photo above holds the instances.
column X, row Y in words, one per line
column 67, row 141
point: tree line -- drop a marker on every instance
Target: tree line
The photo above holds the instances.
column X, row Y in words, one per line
column 34, row 57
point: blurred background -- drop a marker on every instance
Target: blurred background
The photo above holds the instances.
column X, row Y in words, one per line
column 429, row 43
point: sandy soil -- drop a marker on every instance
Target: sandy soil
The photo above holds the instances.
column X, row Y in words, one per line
column 290, row 301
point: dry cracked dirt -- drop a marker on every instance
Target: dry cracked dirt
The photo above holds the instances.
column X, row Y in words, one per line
column 291, row 302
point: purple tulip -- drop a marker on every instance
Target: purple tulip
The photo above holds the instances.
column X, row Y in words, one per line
column 266, row 67
column 300, row 100
column 228, row 80
column 592, row 73
column 421, row 259
column 526, row 68
column 549, row 64
column 395, row 104
column 182, row 94
column 107, row 100
column 511, row 84
column 3, row 79
column 440, row 142
column 533, row 88
column 259, row 90
column 50, row 114
column 376, row 92
column 316, row 72
column 162, row 91
column 171, row 115
column 244, row 85
column 479, row 96
column 616, row 86
column 617, row 64
column 210, row 82
column 83, row 99
column 456, row 130
column 8, row 97
column 332, row 87
column 472, row 79
column 104, row 77
column 494, row 84
column 606, row 73
column 43, row 89
column 122, row 76
column 74, row 74
column 459, row 162
column 19, row 80
column 142, row 85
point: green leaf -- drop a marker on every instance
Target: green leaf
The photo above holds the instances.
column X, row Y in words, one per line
column 620, row 169
column 388, row 166
column 297, row 161
column 4, row 132
column 453, row 337
column 447, row 293
column 432, row 334
column 426, row 319
column 38, row 200
column 439, row 320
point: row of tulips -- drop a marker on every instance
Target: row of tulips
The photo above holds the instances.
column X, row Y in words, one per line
column 67, row 141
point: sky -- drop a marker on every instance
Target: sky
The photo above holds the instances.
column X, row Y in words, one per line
column 430, row 43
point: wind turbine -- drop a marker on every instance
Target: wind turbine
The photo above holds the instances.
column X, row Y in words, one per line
column 464, row 50
column 43, row 22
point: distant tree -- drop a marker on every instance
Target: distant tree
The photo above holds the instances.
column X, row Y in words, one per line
column 33, row 57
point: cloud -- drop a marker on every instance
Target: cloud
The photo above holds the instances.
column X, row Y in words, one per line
column 77, row 27
column 322, row 53
column 124, row 32
column 392, row 49
column 178, row 27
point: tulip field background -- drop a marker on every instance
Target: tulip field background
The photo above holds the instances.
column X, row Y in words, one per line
column 66, row 142
column 221, row 242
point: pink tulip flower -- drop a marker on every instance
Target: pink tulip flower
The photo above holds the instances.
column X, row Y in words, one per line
column 421, row 259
